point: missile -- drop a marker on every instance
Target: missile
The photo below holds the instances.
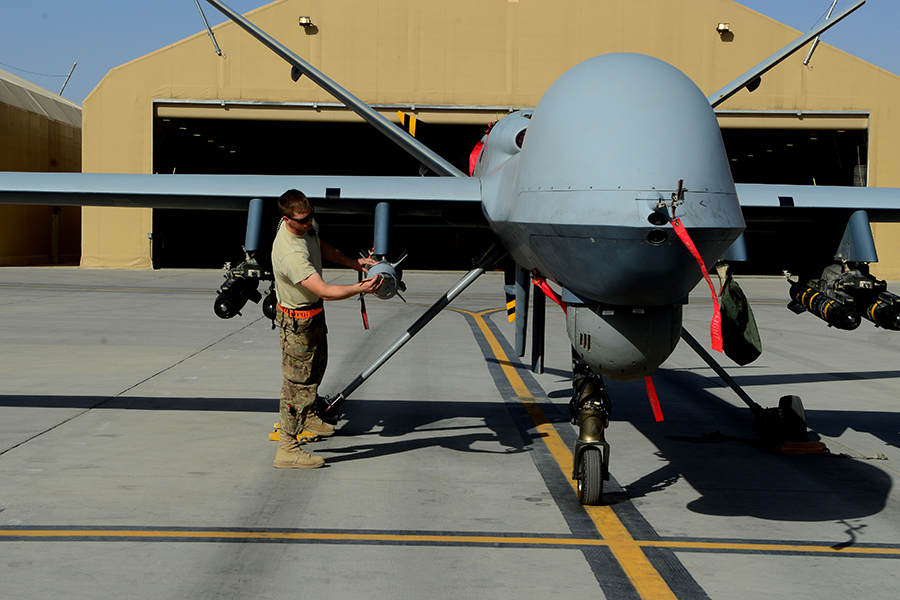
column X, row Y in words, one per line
column 269, row 305
column 233, row 295
column 885, row 312
column 392, row 276
column 835, row 308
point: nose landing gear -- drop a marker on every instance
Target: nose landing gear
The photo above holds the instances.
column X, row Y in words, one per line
column 590, row 408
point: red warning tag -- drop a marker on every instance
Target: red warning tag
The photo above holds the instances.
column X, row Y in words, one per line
column 715, row 328
column 362, row 304
column 549, row 291
column 654, row 400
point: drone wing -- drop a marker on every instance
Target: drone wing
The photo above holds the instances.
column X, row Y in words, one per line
column 412, row 196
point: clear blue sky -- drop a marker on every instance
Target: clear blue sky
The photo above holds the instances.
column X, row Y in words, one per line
column 47, row 36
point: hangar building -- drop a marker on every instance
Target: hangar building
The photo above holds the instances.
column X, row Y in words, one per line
column 40, row 131
column 457, row 66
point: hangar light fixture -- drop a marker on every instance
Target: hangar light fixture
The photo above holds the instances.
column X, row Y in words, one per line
column 306, row 22
column 723, row 28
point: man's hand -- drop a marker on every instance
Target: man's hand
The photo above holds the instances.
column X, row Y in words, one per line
column 365, row 262
column 370, row 285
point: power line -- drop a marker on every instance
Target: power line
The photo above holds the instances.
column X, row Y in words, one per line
column 29, row 72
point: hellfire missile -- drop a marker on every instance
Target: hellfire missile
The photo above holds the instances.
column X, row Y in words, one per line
column 885, row 312
column 835, row 308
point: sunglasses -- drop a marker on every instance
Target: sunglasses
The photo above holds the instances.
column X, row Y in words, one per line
column 304, row 220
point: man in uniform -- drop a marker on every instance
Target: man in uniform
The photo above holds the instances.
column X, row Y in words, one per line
column 297, row 255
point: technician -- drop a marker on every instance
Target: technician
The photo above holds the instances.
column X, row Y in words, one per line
column 297, row 255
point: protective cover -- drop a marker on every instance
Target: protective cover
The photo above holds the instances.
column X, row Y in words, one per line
column 740, row 337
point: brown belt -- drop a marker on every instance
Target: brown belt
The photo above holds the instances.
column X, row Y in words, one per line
column 300, row 314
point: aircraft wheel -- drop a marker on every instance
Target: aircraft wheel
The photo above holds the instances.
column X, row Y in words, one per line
column 590, row 480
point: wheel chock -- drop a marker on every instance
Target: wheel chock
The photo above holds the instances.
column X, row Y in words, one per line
column 801, row 448
column 303, row 437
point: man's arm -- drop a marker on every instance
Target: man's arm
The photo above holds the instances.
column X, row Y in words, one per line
column 325, row 291
column 334, row 255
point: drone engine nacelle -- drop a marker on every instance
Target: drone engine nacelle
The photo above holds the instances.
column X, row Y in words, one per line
column 504, row 141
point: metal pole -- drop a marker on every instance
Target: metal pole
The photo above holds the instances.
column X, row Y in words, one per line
column 72, row 70
column 755, row 408
column 523, row 286
column 818, row 37
column 328, row 409
column 537, row 330
column 208, row 28
column 403, row 139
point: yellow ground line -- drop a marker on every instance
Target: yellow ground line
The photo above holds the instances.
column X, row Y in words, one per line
column 470, row 539
column 607, row 522
column 646, row 579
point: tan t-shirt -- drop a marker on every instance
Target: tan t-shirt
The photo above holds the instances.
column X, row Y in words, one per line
column 294, row 258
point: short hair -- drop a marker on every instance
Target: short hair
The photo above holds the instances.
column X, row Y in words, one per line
column 293, row 201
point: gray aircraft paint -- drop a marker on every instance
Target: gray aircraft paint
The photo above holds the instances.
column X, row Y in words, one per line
column 601, row 154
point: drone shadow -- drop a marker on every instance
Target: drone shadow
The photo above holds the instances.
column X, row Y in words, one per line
column 708, row 442
column 393, row 427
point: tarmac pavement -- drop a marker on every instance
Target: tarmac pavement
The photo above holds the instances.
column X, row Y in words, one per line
column 135, row 459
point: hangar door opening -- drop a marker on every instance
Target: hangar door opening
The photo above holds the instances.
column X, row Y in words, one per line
column 797, row 157
column 241, row 146
column 811, row 150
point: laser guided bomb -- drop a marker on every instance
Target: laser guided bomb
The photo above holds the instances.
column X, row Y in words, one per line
column 392, row 279
column 392, row 283
column 242, row 281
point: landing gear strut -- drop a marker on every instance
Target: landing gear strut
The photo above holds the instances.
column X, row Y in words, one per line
column 590, row 408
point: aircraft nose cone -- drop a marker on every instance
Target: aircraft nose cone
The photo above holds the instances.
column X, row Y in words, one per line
column 624, row 121
column 607, row 146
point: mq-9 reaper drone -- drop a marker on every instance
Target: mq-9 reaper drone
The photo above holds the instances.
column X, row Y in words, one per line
column 595, row 205
column 598, row 204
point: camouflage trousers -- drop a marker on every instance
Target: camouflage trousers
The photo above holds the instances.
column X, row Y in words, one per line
column 304, row 356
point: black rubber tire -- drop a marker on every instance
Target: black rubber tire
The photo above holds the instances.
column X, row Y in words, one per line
column 590, row 485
